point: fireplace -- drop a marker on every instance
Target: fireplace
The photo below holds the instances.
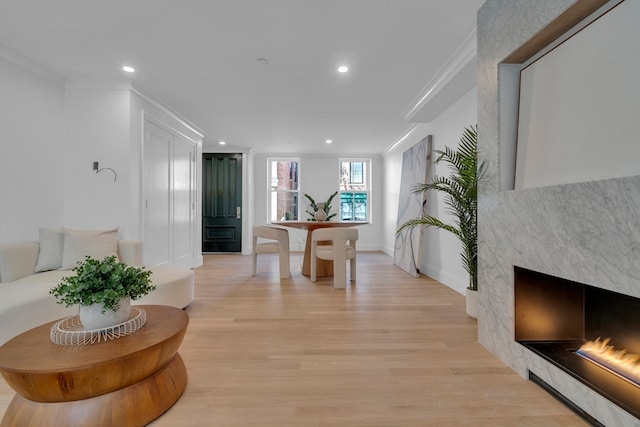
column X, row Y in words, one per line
column 585, row 231
column 554, row 317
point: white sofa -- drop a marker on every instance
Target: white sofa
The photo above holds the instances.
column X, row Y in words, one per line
column 25, row 301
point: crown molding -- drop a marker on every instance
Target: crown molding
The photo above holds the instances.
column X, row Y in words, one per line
column 99, row 84
column 168, row 110
column 129, row 85
column 30, row 65
column 456, row 65
column 401, row 139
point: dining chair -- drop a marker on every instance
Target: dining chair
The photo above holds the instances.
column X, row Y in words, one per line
column 277, row 243
column 341, row 249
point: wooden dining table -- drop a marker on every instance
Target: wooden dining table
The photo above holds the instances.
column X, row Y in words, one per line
column 324, row 268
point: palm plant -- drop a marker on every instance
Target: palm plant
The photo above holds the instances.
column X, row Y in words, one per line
column 461, row 199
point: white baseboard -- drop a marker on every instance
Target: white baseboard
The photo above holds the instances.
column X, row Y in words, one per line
column 198, row 261
column 453, row 281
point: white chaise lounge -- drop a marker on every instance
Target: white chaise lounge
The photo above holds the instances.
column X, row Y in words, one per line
column 25, row 301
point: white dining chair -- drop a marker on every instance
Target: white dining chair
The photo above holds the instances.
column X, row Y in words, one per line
column 341, row 250
column 277, row 242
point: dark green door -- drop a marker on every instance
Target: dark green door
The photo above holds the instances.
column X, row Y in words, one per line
column 222, row 202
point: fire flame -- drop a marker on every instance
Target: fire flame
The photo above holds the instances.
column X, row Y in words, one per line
column 619, row 361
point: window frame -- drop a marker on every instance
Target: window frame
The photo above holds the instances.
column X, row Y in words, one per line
column 271, row 191
column 366, row 177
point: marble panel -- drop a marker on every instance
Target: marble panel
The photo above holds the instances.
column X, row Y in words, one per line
column 587, row 232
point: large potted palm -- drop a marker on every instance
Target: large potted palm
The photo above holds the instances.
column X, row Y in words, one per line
column 460, row 190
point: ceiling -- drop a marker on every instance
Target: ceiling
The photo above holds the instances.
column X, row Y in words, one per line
column 201, row 58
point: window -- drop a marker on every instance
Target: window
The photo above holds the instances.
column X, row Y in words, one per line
column 283, row 189
column 354, row 189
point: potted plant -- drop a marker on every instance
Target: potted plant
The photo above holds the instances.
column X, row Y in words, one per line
column 104, row 290
column 460, row 190
column 320, row 211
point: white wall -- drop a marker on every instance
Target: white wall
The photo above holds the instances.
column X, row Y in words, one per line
column 319, row 179
column 97, row 129
column 31, row 149
column 440, row 249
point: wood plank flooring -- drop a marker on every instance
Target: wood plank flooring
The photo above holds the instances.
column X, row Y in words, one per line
column 390, row 350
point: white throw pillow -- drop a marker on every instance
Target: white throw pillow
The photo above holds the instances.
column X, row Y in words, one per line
column 51, row 247
column 94, row 243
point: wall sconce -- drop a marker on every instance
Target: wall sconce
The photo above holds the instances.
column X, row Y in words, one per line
column 97, row 168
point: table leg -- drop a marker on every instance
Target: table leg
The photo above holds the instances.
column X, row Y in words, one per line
column 324, row 267
column 135, row 405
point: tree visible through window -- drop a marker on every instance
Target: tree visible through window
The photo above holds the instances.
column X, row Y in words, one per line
column 354, row 190
column 284, row 189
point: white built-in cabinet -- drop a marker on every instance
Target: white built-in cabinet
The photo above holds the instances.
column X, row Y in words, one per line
column 169, row 196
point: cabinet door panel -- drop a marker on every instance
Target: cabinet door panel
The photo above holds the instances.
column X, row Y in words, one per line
column 157, row 207
column 183, row 202
column 169, row 189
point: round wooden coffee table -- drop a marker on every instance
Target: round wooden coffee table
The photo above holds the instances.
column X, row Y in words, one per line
column 129, row 381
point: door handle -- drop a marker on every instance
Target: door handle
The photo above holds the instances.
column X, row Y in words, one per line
column 238, row 212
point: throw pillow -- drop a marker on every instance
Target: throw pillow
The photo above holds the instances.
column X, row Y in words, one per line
column 94, row 243
column 51, row 247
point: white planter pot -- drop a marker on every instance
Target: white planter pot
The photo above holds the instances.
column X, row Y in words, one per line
column 472, row 303
column 92, row 317
column 320, row 215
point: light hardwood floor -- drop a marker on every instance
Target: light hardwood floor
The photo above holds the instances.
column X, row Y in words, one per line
column 390, row 350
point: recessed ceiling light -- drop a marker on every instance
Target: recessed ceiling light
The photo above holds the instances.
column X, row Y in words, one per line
column 343, row 69
column 129, row 69
column 262, row 61
column 222, row 143
column 329, row 141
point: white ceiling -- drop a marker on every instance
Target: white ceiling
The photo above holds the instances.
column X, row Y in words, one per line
column 200, row 58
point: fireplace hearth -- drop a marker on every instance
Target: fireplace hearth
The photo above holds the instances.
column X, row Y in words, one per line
column 554, row 317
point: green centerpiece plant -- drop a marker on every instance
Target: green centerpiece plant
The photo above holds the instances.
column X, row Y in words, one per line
column 321, row 209
column 107, row 285
column 104, row 282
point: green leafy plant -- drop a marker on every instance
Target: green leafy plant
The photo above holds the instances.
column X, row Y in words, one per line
column 461, row 198
column 103, row 282
column 326, row 207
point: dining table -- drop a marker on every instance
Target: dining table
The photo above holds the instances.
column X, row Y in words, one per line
column 324, row 267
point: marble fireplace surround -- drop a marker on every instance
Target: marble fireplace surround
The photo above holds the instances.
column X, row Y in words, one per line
column 586, row 232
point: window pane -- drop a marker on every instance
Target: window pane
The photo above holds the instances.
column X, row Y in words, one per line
column 284, row 206
column 284, row 175
column 283, row 184
column 346, row 206
column 353, row 206
column 344, row 175
column 353, row 176
column 356, row 173
column 360, row 206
